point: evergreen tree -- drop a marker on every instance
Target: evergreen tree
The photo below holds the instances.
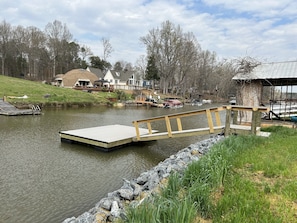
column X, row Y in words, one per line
column 151, row 72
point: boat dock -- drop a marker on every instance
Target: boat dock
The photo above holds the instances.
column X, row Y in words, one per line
column 111, row 136
column 102, row 137
column 10, row 110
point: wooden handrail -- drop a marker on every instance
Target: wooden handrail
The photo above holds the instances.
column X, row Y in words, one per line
column 246, row 108
column 178, row 117
column 212, row 128
column 256, row 119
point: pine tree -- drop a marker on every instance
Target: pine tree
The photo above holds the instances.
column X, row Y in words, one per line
column 151, row 72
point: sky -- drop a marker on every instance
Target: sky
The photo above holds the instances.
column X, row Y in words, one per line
column 263, row 29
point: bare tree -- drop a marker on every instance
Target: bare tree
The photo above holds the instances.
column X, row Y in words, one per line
column 164, row 44
column 221, row 80
column 36, row 42
column 107, row 48
column 140, row 66
column 246, row 64
column 188, row 57
column 5, row 37
column 85, row 51
column 58, row 38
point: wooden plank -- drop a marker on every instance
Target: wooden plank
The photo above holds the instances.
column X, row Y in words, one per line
column 177, row 134
column 179, row 124
column 218, row 118
column 137, row 129
column 209, row 120
column 243, row 129
column 180, row 115
column 228, row 121
column 168, row 126
column 245, row 108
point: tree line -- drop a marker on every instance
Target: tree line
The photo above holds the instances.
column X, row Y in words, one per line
column 177, row 62
column 174, row 60
column 40, row 55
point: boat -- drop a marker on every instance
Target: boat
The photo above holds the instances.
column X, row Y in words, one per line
column 196, row 103
column 206, row 101
column 173, row 103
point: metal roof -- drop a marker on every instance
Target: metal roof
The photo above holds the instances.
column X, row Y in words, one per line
column 276, row 74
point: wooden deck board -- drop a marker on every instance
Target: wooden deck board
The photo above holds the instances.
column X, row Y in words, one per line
column 103, row 136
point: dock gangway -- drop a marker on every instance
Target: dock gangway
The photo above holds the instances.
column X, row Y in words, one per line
column 214, row 124
column 113, row 136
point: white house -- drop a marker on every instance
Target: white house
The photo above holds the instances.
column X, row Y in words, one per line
column 127, row 80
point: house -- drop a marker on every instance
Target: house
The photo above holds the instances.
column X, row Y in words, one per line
column 58, row 79
column 76, row 78
column 126, row 80
column 93, row 77
column 99, row 73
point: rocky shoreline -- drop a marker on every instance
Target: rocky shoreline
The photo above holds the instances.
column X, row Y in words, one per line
column 135, row 191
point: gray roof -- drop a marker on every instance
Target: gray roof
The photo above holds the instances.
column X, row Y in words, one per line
column 277, row 73
column 123, row 76
column 99, row 73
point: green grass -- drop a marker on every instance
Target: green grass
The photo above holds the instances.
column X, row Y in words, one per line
column 242, row 179
column 37, row 91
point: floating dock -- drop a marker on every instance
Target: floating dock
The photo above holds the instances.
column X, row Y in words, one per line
column 10, row 110
column 103, row 137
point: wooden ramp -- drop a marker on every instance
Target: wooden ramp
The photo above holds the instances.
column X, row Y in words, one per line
column 211, row 115
column 10, row 110
column 103, row 137
column 108, row 137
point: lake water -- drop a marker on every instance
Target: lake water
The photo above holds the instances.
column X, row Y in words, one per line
column 44, row 180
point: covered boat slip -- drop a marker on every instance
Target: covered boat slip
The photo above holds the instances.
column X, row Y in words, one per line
column 278, row 79
column 112, row 136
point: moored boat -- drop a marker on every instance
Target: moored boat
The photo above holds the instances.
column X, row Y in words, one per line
column 173, row 103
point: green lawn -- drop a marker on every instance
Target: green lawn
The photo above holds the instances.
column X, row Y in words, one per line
column 242, row 179
column 47, row 94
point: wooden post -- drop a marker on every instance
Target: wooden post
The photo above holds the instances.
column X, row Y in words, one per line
column 137, row 130
column 235, row 117
column 255, row 115
column 218, row 119
column 179, row 124
column 149, row 127
column 228, row 120
column 168, row 126
column 209, row 120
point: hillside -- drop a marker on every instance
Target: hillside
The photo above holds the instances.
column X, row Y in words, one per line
column 14, row 89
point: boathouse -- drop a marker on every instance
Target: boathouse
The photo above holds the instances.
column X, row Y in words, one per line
column 281, row 77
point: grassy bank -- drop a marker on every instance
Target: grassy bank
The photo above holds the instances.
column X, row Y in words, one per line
column 48, row 95
column 242, row 179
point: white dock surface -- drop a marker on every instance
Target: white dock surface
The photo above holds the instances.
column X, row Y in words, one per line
column 103, row 136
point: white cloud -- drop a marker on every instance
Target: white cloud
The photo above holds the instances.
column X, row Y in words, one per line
column 264, row 29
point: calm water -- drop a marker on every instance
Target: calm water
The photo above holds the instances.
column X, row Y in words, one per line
column 44, row 180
